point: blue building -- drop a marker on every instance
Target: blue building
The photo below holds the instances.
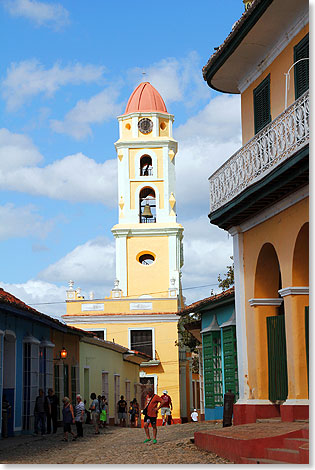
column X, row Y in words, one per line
column 218, row 361
column 26, row 359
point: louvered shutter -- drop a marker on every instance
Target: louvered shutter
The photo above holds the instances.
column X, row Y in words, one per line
column 262, row 115
column 301, row 69
column 230, row 360
column 208, row 370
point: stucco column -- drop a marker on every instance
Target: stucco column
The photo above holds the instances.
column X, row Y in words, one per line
column 295, row 301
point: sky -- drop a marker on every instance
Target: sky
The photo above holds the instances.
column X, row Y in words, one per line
column 68, row 69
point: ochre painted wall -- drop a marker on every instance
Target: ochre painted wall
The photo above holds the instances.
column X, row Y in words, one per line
column 152, row 279
column 281, row 231
column 276, row 69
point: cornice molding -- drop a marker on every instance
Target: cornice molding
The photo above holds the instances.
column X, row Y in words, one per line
column 267, row 302
column 122, row 117
column 127, row 318
column 156, row 143
column 150, row 231
column 294, row 291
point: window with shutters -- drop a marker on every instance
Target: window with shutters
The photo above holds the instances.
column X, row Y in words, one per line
column 262, row 115
column 75, row 383
column 142, row 341
column 301, row 69
column 212, row 369
column 30, row 380
column 230, row 360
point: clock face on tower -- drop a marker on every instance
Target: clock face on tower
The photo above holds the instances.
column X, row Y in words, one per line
column 145, row 125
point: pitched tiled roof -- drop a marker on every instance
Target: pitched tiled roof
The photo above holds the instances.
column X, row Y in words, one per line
column 9, row 299
column 207, row 301
column 236, row 27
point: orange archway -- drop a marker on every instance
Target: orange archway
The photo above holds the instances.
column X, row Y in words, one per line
column 300, row 265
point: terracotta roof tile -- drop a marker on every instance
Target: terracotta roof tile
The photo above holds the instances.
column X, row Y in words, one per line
column 208, row 300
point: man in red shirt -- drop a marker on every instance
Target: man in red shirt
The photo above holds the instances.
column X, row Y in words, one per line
column 150, row 414
column 166, row 407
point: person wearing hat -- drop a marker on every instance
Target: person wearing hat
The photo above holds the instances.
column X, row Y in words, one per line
column 166, row 407
column 194, row 415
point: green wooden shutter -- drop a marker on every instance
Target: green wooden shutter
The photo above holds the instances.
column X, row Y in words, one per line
column 277, row 358
column 212, row 369
column 301, row 70
column 262, row 115
column 230, row 360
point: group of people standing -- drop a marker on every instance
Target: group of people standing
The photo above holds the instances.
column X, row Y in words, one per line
column 153, row 404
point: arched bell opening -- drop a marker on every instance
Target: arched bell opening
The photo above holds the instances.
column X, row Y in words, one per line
column 146, row 166
column 147, row 205
column 270, row 327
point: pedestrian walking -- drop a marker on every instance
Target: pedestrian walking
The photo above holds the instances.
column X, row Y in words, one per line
column 52, row 415
column 103, row 414
column 87, row 413
column 95, row 412
column 194, row 415
column 133, row 412
column 122, row 411
column 150, row 414
column 79, row 410
column 166, row 408
column 137, row 413
column 41, row 410
column 68, row 418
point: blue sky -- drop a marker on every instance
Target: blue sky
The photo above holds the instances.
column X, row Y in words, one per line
column 68, row 69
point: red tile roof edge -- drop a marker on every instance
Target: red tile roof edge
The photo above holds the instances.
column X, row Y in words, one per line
column 237, row 25
column 200, row 303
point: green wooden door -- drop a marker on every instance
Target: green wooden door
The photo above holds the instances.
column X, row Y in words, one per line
column 230, row 360
column 277, row 358
column 212, row 369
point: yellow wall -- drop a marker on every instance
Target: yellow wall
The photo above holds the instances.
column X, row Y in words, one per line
column 152, row 279
column 281, row 231
column 164, row 132
column 277, row 69
column 126, row 132
column 122, row 306
column 97, row 359
column 132, row 155
column 168, row 371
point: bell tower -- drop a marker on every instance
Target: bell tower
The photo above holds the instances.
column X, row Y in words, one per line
column 149, row 252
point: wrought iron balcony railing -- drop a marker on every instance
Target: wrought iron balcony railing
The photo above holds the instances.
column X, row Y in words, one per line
column 277, row 142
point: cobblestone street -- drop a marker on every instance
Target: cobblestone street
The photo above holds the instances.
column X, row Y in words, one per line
column 113, row 446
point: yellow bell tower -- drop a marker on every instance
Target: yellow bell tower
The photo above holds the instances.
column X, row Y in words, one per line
column 148, row 239
column 141, row 311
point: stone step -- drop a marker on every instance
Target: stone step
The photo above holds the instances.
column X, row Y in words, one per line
column 284, row 455
column 268, row 420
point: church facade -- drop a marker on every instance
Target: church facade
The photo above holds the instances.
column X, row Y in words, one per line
column 141, row 310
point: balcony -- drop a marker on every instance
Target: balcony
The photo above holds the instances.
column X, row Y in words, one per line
column 266, row 151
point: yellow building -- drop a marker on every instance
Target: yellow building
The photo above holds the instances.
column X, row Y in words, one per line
column 141, row 311
column 260, row 195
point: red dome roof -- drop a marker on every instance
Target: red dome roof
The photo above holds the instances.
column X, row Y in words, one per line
column 145, row 98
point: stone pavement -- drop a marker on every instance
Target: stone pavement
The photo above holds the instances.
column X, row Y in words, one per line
column 113, row 446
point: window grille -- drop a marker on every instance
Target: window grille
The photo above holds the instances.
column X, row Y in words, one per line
column 262, row 115
column 301, row 69
column 75, row 383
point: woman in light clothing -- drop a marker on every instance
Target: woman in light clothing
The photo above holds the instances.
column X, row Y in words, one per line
column 68, row 418
column 79, row 410
column 95, row 412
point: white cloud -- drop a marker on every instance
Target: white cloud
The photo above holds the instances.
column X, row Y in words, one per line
column 99, row 108
column 91, row 265
column 205, row 142
column 175, row 79
column 72, row 178
column 53, row 15
column 43, row 296
column 22, row 222
column 29, row 78
column 17, row 150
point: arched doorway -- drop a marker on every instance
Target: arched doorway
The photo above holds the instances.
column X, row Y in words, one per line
column 272, row 322
column 9, row 368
